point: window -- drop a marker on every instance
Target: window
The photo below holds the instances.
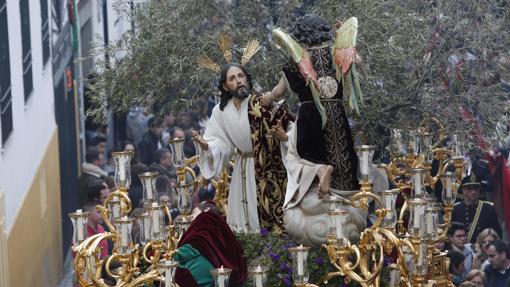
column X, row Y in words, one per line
column 45, row 31
column 26, row 48
column 5, row 75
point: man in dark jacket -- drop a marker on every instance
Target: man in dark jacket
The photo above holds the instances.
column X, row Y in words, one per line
column 151, row 142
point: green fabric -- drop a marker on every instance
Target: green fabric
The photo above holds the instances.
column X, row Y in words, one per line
column 189, row 258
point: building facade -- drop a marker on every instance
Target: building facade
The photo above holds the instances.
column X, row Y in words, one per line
column 41, row 127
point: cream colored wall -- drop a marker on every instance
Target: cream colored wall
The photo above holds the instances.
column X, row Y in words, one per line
column 35, row 239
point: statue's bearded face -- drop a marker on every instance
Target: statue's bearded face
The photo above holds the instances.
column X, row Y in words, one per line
column 236, row 83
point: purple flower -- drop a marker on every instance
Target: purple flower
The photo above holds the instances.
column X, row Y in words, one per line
column 286, row 268
column 264, row 232
column 287, row 280
column 319, row 260
column 274, row 256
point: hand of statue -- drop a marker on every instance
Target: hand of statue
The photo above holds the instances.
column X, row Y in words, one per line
column 200, row 140
column 278, row 132
column 266, row 99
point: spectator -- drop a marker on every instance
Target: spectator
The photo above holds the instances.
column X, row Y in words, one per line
column 209, row 243
column 457, row 237
column 456, row 268
column 136, row 124
column 186, row 121
column 98, row 192
column 92, row 174
column 473, row 212
column 476, row 277
column 483, row 239
column 129, row 146
column 100, row 144
column 498, row 271
column 94, row 226
column 151, row 142
column 164, row 164
column 164, row 187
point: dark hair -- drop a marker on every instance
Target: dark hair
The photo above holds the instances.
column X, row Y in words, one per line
column 160, row 153
column 137, row 169
column 99, row 138
column 154, row 122
column 500, row 246
column 225, row 95
column 94, row 191
column 163, row 184
column 311, row 30
column 454, row 227
column 90, row 205
column 91, row 155
column 456, row 258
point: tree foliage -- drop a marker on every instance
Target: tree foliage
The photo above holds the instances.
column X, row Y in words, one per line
column 419, row 57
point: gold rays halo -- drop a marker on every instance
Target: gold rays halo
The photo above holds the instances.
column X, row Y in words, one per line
column 225, row 45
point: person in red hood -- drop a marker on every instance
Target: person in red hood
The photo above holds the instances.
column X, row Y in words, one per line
column 209, row 243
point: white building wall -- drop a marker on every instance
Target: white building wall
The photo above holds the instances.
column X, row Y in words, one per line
column 34, row 121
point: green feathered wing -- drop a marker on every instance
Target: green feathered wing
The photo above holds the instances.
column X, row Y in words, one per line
column 344, row 55
column 302, row 59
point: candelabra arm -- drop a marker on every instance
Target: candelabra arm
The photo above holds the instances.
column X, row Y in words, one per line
column 93, row 244
column 155, row 246
column 105, row 212
column 401, row 216
column 330, row 276
column 192, row 160
column 363, row 197
column 168, row 214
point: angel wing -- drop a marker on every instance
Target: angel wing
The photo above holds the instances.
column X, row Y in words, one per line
column 344, row 54
column 302, row 59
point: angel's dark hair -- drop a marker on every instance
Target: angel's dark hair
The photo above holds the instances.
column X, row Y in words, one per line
column 225, row 95
column 311, row 29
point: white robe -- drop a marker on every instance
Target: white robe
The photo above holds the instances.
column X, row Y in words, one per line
column 228, row 132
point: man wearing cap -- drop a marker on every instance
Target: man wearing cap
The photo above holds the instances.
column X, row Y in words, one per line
column 476, row 214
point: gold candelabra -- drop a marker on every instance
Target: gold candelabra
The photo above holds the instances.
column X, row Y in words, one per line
column 412, row 246
column 149, row 259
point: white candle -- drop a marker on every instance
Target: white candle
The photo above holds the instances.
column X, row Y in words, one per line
column 417, row 184
column 417, row 215
column 221, row 277
column 300, row 259
column 448, row 187
column 389, row 206
column 148, row 186
column 258, row 277
column 364, row 164
column 116, row 209
column 430, row 226
column 79, row 225
column 168, row 277
column 122, row 169
column 146, row 228
column 338, row 226
column 124, row 234
column 155, row 219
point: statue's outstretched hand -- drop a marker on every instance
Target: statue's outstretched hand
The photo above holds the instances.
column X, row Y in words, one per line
column 278, row 132
column 200, row 140
column 266, row 99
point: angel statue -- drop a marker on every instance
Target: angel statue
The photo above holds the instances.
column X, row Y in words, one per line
column 320, row 159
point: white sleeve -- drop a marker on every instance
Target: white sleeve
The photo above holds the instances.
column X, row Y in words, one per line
column 220, row 149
